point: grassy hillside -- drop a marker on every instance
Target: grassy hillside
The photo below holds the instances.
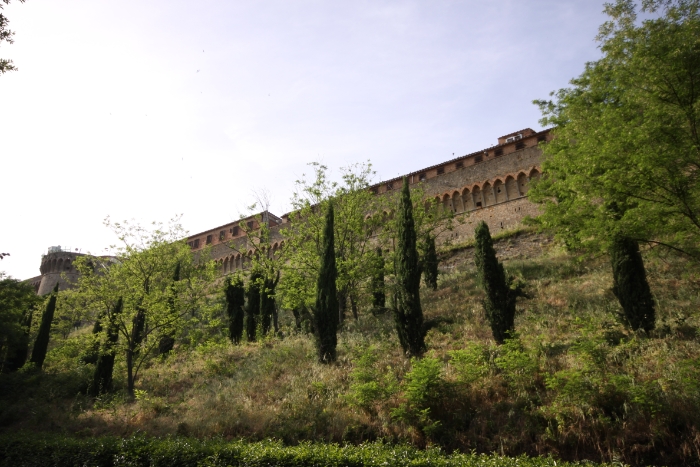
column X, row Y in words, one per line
column 575, row 383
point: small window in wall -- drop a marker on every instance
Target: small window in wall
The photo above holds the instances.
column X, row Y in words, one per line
column 234, row 231
column 459, row 165
column 498, row 152
column 499, row 189
column 422, row 176
column 440, row 170
column 478, row 204
column 190, row 244
column 222, row 235
column 478, row 158
column 389, row 186
column 374, row 189
column 196, row 243
column 519, row 145
column 250, row 225
column 542, row 139
column 208, row 239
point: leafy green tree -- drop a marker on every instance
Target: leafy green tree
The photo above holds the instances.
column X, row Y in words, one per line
column 408, row 312
column 430, row 262
column 141, row 276
column 355, row 231
column 18, row 301
column 626, row 132
column 630, row 284
column 235, row 301
column 6, row 35
column 501, row 294
column 378, row 289
column 326, row 308
column 41, row 344
column 104, row 365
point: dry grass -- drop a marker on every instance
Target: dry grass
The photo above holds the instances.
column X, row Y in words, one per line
column 578, row 384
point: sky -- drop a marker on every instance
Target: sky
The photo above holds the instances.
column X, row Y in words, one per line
column 145, row 110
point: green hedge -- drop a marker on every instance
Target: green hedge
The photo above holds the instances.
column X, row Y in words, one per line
column 33, row 450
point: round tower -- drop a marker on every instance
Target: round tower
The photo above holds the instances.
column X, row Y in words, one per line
column 57, row 267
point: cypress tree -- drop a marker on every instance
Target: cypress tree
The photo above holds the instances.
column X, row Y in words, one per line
column 252, row 309
column 41, row 344
column 104, row 367
column 630, row 284
column 18, row 353
column 499, row 303
column 326, row 309
column 377, row 283
column 430, row 263
column 267, row 303
column 408, row 313
column 167, row 342
column 235, row 299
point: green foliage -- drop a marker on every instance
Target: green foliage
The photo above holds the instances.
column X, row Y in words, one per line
column 104, row 366
column 630, row 284
column 626, row 135
column 499, row 303
column 430, row 262
column 518, row 367
column 234, row 291
column 154, row 305
column 326, row 309
column 139, row 451
column 423, row 387
column 370, row 384
column 353, row 236
column 377, row 283
column 6, row 35
column 17, row 303
column 41, row 344
column 252, row 310
column 471, row 364
column 408, row 313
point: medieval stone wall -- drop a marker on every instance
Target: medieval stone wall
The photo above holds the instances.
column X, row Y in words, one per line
column 489, row 185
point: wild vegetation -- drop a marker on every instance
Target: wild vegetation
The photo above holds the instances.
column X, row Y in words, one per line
column 575, row 382
column 585, row 349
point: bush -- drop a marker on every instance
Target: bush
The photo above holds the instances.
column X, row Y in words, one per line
column 19, row 450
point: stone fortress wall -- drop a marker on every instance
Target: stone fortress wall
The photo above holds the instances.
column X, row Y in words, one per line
column 56, row 267
column 490, row 185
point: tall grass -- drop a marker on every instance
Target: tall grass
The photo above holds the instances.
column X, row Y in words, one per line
column 574, row 382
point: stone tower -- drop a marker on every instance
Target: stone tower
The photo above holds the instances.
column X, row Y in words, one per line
column 57, row 266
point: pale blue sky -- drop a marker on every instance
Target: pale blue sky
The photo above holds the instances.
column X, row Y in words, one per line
column 144, row 109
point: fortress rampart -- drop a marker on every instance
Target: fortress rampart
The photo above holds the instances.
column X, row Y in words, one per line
column 489, row 185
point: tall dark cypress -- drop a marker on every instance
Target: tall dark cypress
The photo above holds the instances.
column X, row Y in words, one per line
column 252, row 309
column 430, row 263
column 267, row 304
column 499, row 304
column 104, row 367
column 18, row 353
column 167, row 341
column 408, row 313
column 630, row 283
column 41, row 344
column 235, row 299
column 377, row 283
column 326, row 309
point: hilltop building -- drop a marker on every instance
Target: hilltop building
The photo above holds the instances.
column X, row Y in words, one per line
column 490, row 185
